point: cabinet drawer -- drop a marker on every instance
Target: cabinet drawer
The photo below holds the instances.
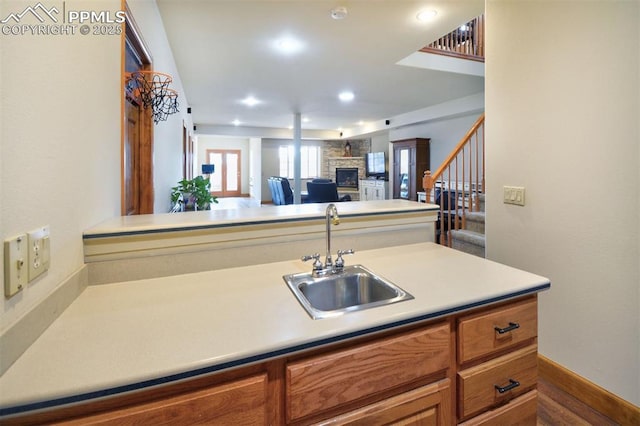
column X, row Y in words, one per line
column 522, row 411
column 319, row 383
column 427, row 405
column 515, row 373
column 485, row 333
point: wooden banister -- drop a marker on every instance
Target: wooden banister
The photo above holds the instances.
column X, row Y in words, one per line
column 466, row 41
column 461, row 174
column 474, row 128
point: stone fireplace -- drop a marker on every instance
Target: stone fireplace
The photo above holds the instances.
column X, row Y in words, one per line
column 347, row 177
column 334, row 163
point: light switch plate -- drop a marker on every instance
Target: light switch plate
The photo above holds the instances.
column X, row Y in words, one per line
column 16, row 257
column 514, row 195
column 39, row 253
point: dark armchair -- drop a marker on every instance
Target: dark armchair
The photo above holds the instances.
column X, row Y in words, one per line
column 321, row 191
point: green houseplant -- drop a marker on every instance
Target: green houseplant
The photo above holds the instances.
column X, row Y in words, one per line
column 195, row 194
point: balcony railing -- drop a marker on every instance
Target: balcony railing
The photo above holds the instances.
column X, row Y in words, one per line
column 466, row 41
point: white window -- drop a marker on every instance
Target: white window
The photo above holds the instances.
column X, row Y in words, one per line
column 309, row 160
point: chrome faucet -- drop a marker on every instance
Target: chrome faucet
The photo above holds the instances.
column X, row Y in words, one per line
column 331, row 217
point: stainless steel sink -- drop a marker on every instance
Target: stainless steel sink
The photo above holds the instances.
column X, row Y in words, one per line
column 353, row 289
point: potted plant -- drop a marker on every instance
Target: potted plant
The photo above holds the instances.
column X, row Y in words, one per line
column 193, row 194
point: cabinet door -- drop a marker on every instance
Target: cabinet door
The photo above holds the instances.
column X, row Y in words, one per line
column 366, row 190
column 402, row 172
column 428, row 405
column 240, row 402
column 379, row 191
column 367, row 193
column 410, row 161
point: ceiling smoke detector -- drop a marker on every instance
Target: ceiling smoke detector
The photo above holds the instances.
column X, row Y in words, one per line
column 339, row 12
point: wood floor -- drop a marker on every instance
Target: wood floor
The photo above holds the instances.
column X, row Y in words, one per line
column 556, row 407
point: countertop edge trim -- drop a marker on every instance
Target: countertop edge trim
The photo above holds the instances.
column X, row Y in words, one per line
column 75, row 399
column 91, row 236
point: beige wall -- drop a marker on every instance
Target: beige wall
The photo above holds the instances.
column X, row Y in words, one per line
column 562, row 114
column 60, row 138
column 60, row 141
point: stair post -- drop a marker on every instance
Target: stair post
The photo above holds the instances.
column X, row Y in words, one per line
column 427, row 184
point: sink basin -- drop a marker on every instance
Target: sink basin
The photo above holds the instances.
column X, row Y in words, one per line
column 354, row 289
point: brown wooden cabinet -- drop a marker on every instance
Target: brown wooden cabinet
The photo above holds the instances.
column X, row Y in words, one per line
column 462, row 368
column 410, row 161
column 497, row 364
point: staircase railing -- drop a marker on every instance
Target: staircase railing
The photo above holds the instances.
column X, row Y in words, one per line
column 457, row 184
column 466, row 41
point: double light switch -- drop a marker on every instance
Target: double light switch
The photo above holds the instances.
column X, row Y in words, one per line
column 514, row 195
column 26, row 257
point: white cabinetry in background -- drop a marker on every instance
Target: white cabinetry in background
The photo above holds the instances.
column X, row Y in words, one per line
column 372, row 189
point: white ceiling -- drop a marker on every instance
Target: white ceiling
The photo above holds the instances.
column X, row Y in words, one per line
column 224, row 52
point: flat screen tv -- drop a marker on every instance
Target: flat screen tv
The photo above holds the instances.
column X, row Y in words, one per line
column 376, row 165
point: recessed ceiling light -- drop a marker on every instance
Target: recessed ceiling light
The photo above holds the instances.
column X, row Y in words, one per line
column 236, row 122
column 288, row 45
column 346, row 96
column 305, row 119
column 426, row 15
column 250, row 101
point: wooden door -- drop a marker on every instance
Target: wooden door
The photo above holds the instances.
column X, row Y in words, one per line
column 226, row 179
column 137, row 132
column 131, row 159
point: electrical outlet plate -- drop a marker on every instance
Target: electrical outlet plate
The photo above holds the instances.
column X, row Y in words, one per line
column 16, row 257
column 514, row 195
column 39, row 253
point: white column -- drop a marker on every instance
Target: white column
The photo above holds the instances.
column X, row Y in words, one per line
column 297, row 167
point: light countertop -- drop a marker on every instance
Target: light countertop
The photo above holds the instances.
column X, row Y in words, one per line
column 229, row 217
column 122, row 336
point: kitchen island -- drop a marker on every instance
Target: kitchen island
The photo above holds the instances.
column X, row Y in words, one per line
column 148, row 246
column 131, row 338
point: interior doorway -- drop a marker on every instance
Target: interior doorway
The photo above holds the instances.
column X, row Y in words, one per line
column 226, row 179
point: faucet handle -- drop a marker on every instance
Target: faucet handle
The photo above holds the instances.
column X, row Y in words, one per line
column 317, row 264
column 340, row 260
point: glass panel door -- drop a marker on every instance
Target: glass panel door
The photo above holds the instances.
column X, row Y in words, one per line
column 215, row 158
column 225, row 180
column 404, row 173
column 232, row 172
